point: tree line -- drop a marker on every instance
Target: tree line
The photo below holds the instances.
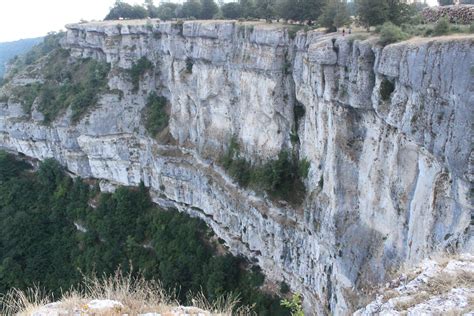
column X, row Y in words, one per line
column 326, row 13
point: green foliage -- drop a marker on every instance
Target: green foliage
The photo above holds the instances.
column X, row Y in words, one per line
column 208, row 9
column 386, row 89
column 265, row 9
column 281, row 178
column 126, row 11
column 156, row 118
column 334, row 15
column 295, row 304
column 300, row 10
column 377, row 12
column 390, row 33
column 442, row 27
column 10, row 167
column 231, row 10
column 142, row 66
column 68, row 83
column 471, row 28
column 27, row 95
column 124, row 228
column 372, row 12
column 303, row 168
column 191, row 8
column 400, row 12
column 167, row 11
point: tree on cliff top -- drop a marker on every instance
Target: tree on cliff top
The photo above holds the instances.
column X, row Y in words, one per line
column 208, row 9
column 191, row 8
column 126, row 11
column 334, row 15
column 231, row 10
column 372, row 12
column 300, row 9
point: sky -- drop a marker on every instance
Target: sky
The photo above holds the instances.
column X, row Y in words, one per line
column 33, row 18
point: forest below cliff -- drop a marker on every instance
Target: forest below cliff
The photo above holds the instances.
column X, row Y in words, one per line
column 55, row 229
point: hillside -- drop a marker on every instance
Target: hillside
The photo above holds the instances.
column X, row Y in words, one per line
column 8, row 50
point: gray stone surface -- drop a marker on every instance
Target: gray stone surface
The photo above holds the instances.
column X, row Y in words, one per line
column 389, row 182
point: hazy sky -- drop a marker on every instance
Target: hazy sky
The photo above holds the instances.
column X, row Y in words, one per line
column 32, row 18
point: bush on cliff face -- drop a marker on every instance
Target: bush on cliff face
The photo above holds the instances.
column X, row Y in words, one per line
column 138, row 70
column 156, row 118
column 281, row 178
column 121, row 229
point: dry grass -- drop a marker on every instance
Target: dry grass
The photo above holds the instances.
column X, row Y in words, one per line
column 224, row 305
column 136, row 294
column 442, row 283
column 17, row 302
column 406, row 302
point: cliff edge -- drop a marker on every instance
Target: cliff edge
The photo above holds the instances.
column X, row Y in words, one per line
column 386, row 131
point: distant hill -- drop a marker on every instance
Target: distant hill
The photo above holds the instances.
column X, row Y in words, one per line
column 8, row 50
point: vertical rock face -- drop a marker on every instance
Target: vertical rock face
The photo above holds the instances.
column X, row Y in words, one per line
column 386, row 130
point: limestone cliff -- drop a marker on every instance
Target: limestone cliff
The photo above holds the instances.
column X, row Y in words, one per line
column 387, row 132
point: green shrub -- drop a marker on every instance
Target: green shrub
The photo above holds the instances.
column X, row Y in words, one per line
column 27, row 95
column 156, row 118
column 137, row 71
column 442, row 27
column 471, row 28
column 281, row 178
column 390, row 33
column 295, row 304
column 74, row 84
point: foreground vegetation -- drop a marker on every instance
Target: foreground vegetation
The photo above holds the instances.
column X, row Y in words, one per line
column 67, row 237
column 136, row 295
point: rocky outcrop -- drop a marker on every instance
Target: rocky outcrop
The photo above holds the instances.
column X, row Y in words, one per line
column 439, row 286
column 386, row 131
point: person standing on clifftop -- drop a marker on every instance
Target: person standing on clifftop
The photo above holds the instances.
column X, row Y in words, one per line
column 343, row 32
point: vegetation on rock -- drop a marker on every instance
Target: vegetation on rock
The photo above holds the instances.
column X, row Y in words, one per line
column 73, row 229
column 67, row 83
column 390, row 33
column 142, row 66
column 281, row 178
column 156, row 118
column 47, row 45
